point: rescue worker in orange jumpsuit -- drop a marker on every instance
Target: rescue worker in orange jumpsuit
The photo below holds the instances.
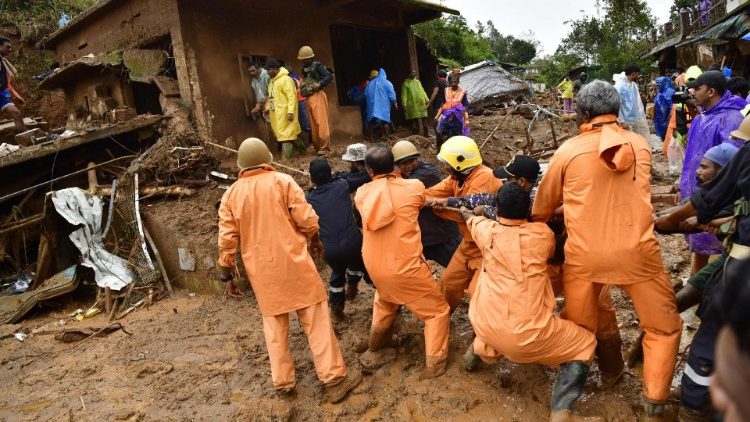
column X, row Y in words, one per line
column 512, row 309
column 265, row 213
column 602, row 177
column 392, row 251
column 468, row 176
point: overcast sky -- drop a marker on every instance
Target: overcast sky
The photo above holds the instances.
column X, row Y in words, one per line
column 545, row 17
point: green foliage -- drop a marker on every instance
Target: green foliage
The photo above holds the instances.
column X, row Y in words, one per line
column 32, row 19
column 611, row 42
column 674, row 11
column 553, row 68
column 454, row 40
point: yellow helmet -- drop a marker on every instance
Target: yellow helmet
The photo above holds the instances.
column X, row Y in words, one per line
column 305, row 52
column 460, row 152
column 253, row 152
column 692, row 73
column 404, row 149
column 743, row 132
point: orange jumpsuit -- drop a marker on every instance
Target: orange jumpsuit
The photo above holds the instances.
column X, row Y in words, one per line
column 392, row 251
column 602, row 177
column 265, row 213
column 462, row 271
column 512, row 308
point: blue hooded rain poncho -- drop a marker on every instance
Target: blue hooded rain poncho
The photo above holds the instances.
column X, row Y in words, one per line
column 379, row 95
column 710, row 128
column 662, row 105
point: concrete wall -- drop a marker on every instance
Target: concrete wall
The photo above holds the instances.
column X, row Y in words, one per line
column 215, row 33
column 122, row 25
column 83, row 90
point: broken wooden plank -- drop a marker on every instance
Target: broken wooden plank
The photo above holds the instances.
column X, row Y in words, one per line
column 158, row 261
column 52, row 147
column 20, row 224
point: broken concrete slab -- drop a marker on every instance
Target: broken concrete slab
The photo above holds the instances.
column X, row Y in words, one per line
column 144, row 64
column 167, row 85
column 187, row 260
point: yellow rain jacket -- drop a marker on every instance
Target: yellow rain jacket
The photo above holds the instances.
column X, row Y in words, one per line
column 282, row 100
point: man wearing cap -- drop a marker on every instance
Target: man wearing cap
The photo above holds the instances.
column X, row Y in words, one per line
column 357, row 174
column 392, row 251
column 719, row 116
column 440, row 237
column 467, row 175
column 603, row 178
column 512, row 309
column 342, row 240
column 730, row 188
column 281, row 108
column 265, row 214
column 315, row 78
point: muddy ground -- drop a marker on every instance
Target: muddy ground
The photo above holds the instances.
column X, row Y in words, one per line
column 202, row 356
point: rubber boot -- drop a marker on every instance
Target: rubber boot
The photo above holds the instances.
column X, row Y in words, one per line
column 611, row 364
column 287, row 150
column 654, row 410
column 337, row 391
column 351, row 291
column 470, row 360
column 374, row 357
column 434, row 368
column 567, row 389
column 337, row 309
column 690, row 415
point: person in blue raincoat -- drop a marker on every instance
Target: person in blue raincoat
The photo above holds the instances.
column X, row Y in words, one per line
column 380, row 97
column 662, row 105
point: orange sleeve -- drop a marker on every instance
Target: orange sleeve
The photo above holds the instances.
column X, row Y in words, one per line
column 480, row 230
column 549, row 193
column 671, row 126
column 301, row 211
column 229, row 234
column 444, row 189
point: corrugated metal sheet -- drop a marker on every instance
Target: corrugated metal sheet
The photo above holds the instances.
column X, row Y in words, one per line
column 486, row 80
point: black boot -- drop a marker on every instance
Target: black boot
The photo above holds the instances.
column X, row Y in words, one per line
column 569, row 385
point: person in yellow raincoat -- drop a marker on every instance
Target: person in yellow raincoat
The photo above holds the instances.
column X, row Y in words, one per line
column 282, row 109
column 265, row 213
column 415, row 101
column 602, row 177
column 512, row 309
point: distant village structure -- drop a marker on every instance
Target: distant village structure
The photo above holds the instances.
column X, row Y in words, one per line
column 137, row 54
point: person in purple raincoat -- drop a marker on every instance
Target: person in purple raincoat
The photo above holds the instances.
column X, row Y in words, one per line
column 719, row 116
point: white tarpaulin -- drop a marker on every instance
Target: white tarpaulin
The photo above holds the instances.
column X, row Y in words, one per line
column 80, row 209
column 486, row 80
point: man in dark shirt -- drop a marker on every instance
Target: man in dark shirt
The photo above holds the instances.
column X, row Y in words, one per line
column 357, row 175
column 437, row 99
column 732, row 184
column 342, row 240
column 315, row 78
column 440, row 237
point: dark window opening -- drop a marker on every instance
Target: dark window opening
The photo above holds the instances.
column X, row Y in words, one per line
column 357, row 51
column 146, row 97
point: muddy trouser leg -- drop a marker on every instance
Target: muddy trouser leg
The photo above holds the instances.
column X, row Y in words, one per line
column 441, row 253
column 608, row 339
column 356, row 270
column 700, row 363
column 383, row 315
column 656, row 308
column 276, row 332
column 435, row 313
column 456, row 278
column 336, row 282
column 318, row 106
column 316, row 322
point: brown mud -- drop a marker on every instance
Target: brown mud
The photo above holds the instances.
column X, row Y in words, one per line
column 203, row 357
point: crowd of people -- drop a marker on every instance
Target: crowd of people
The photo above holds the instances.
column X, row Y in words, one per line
column 511, row 240
column 296, row 106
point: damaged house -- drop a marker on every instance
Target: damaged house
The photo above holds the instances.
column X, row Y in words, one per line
column 131, row 53
column 146, row 84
